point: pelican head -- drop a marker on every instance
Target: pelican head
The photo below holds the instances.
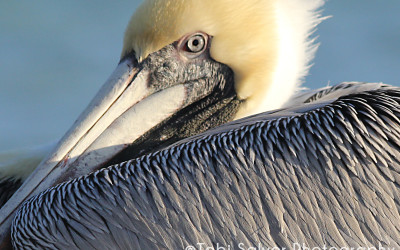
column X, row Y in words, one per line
column 186, row 66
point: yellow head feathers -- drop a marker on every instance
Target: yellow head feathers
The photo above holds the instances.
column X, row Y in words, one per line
column 244, row 36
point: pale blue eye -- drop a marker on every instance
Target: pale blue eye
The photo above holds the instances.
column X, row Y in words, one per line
column 196, row 43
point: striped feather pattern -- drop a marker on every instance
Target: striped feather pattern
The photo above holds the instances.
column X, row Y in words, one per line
column 326, row 176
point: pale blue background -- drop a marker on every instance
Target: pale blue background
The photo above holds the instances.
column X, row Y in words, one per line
column 55, row 55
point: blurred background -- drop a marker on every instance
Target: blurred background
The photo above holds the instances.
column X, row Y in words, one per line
column 54, row 56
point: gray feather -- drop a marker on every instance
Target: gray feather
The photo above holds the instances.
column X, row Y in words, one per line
column 326, row 172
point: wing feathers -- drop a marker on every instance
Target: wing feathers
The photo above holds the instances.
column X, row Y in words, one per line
column 329, row 175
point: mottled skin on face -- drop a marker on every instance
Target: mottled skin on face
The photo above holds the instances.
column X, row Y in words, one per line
column 211, row 99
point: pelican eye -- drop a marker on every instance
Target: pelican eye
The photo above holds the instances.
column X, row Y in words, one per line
column 196, row 43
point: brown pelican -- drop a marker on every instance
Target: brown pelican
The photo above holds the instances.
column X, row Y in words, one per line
column 322, row 170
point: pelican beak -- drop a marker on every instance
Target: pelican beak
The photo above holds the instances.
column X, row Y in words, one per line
column 135, row 101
